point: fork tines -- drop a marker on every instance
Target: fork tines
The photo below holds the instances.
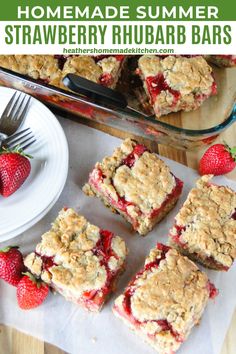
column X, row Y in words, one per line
column 23, row 140
column 14, row 113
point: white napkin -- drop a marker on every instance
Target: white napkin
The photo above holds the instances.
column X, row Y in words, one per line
column 71, row 328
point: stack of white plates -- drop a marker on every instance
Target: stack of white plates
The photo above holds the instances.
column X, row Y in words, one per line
column 48, row 175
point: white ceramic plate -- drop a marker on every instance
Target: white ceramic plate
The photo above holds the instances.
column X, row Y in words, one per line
column 48, row 175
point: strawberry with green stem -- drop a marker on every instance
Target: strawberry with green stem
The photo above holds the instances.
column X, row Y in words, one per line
column 15, row 167
column 218, row 160
column 31, row 292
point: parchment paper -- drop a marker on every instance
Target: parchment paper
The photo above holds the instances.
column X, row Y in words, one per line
column 71, row 328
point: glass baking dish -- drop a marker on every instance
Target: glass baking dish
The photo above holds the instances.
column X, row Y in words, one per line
column 181, row 130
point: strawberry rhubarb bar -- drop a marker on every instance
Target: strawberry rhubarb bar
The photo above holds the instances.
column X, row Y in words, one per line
column 176, row 83
column 205, row 227
column 226, row 61
column 79, row 260
column 165, row 299
column 136, row 184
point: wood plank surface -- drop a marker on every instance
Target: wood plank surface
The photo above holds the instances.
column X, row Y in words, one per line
column 14, row 342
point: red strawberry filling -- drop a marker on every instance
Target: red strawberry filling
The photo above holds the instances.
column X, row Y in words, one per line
column 106, row 79
column 214, row 88
column 97, row 177
column 176, row 237
column 104, row 251
column 163, row 323
column 134, row 155
column 157, row 84
column 213, row 292
column 48, row 262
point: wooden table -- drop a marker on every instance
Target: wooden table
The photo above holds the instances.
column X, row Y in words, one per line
column 14, row 342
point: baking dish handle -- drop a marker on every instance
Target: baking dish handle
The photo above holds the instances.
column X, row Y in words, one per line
column 98, row 93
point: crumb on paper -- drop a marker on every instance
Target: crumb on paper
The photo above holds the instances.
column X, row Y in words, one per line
column 94, row 339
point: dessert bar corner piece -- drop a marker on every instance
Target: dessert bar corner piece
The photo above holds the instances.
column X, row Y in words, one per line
column 175, row 83
column 205, row 227
column 136, row 184
column 165, row 299
column 79, row 260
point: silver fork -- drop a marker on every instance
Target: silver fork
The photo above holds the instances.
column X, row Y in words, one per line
column 22, row 139
column 14, row 114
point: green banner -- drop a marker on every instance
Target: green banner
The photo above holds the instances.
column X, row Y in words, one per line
column 133, row 10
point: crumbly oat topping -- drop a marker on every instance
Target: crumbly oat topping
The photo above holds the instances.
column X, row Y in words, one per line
column 135, row 183
column 109, row 65
column 206, row 216
column 179, row 296
column 70, row 244
column 174, row 293
column 82, row 66
column 111, row 68
column 46, row 67
column 146, row 184
column 35, row 263
column 43, row 67
column 190, row 77
column 110, row 163
column 186, row 75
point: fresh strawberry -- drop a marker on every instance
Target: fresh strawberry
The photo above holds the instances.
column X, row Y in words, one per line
column 30, row 292
column 218, row 160
column 14, row 169
column 11, row 265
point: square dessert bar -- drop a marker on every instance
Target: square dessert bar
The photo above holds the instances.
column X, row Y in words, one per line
column 176, row 83
column 165, row 299
column 136, row 184
column 226, row 61
column 205, row 227
column 79, row 260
